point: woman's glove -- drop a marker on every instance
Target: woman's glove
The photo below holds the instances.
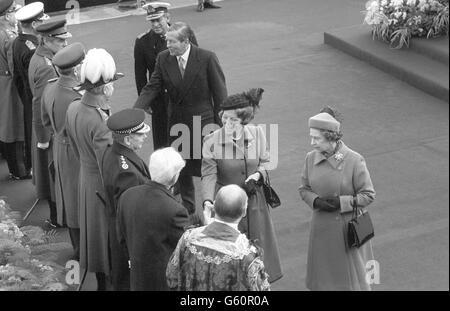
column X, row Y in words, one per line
column 323, row 205
column 250, row 187
column 335, row 201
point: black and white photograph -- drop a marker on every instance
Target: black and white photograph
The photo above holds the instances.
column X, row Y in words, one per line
column 227, row 146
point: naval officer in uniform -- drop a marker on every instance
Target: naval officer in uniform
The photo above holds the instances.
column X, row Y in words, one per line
column 24, row 46
column 121, row 169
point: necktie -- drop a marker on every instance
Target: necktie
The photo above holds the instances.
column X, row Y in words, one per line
column 181, row 66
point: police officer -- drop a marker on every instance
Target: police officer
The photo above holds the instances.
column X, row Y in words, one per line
column 11, row 112
column 146, row 48
column 122, row 168
column 57, row 96
column 53, row 38
column 28, row 17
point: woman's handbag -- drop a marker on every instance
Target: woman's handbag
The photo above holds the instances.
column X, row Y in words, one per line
column 271, row 196
column 360, row 227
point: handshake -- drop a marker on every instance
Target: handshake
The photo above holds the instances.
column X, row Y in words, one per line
column 327, row 204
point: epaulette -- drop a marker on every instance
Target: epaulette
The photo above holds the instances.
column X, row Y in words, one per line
column 30, row 45
column 48, row 61
column 123, row 162
column 52, row 80
column 142, row 34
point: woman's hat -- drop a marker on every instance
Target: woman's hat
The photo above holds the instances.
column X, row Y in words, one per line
column 242, row 100
column 324, row 121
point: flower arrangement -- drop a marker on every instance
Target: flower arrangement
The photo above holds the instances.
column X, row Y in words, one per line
column 26, row 256
column 396, row 21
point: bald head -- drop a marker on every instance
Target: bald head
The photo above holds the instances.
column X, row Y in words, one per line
column 230, row 203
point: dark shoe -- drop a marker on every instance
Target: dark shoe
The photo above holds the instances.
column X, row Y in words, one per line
column 210, row 5
column 200, row 7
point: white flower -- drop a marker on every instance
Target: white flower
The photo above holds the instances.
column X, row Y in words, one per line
column 411, row 2
column 397, row 3
column 384, row 2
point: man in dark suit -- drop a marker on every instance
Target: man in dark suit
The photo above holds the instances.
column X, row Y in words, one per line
column 150, row 222
column 147, row 46
column 196, row 87
column 121, row 169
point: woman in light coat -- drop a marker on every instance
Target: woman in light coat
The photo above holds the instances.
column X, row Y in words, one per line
column 332, row 175
column 237, row 154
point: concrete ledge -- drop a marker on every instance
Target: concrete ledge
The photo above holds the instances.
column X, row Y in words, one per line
column 416, row 69
column 436, row 48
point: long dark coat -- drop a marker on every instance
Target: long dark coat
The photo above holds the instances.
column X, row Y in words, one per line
column 151, row 222
column 220, row 168
column 24, row 47
column 147, row 46
column 40, row 71
column 11, row 110
column 57, row 97
column 89, row 135
column 331, row 264
column 199, row 93
column 121, row 169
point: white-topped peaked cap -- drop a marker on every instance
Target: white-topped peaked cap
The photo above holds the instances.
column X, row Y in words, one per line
column 156, row 9
column 31, row 12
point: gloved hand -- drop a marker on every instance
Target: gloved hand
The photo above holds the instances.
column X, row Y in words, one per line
column 195, row 220
column 250, row 187
column 323, row 205
column 335, row 201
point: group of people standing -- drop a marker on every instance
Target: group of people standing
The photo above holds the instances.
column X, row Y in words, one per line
column 125, row 220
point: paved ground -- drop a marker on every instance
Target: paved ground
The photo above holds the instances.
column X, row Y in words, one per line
column 402, row 132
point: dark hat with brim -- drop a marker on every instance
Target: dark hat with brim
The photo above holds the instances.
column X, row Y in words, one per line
column 156, row 9
column 69, row 56
column 32, row 12
column 128, row 121
column 88, row 85
column 54, row 29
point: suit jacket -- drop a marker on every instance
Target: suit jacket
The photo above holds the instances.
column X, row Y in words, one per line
column 199, row 93
column 150, row 221
column 121, row 169
column 146, row 48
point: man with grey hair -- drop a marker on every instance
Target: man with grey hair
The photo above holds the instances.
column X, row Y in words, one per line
column 237, row 264
column 151, row 221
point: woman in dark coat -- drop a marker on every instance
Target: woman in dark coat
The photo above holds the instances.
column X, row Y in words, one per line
column 237, row 154
column 332, row 175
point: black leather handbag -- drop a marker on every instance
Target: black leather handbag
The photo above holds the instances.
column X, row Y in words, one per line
column 360, row 227
column 271, row 196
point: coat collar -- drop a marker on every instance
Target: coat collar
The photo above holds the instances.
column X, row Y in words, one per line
column 95, row 101
column 26, row 36
column 160, row 187
column 68, row 82
column 221, row 231
column 247, row 136
column 336, row 159
column 132, row 156
column 44, row 51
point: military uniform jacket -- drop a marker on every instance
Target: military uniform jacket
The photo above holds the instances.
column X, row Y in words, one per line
column 24, row 47
column 147, row 46
column 56, row 99
column 40, row 71
column 11, row 110
column 121, row 169
column 199, row 93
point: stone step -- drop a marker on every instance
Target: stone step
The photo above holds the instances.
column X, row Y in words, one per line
column 408, row 65
column 436, row 48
